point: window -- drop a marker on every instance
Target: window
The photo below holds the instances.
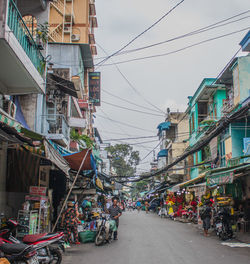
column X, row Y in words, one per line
column 222, row 153
column 192, row 122
column 202, row 111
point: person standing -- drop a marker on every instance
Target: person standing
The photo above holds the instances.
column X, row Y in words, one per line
column 70, row 221
column 138, row 206
column 206, row 218
column 146, row 206
column 115, row 212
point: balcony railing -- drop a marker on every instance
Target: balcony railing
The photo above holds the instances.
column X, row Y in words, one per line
column 24, row 37
column 55, row 124
column 238, row 160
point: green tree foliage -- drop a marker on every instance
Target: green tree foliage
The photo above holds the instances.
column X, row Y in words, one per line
column 124, row 159
column 139, row 187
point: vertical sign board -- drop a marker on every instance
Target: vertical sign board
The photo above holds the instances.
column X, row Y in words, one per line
column 95, row 88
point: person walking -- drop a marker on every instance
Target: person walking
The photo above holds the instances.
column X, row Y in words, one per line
column 138, row 206
column 146, row 207
column 206, row 217
column 115, row 212
column 70, row 221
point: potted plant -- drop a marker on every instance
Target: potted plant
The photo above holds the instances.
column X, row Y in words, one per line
column 42, row 33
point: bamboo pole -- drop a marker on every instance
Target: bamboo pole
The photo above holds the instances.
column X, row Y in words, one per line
column 67, row 197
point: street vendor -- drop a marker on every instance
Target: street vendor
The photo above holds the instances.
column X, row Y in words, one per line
column 115, row 212
column 70, row 221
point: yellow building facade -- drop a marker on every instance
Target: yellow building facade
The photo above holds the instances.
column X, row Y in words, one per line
column 73, row 21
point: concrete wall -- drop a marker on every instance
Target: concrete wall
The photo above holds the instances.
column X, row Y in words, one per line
column 66, row 56
column 3, row 12
column 29, row 106
column 244, row 77
column 237, row 134
column 81, row 20
column 219, row 96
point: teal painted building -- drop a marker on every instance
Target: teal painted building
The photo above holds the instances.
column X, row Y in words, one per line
column 204, row 108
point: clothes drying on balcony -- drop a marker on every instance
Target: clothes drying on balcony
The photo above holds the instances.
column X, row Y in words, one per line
column 162, row 153
column 64, row 85
column 164, row 126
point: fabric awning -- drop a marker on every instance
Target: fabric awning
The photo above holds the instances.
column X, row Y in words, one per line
column 177, row 187
column 52, row 155
column 75, row 160
column 64, row 85
column 164, row 126
column 226, row 175
column 9, row 138
column 162, row 153
column 9, row 121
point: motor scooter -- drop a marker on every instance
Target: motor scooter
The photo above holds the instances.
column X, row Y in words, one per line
column 105, row 230
column 222, row 224
column 47, row 245
column 18, row 253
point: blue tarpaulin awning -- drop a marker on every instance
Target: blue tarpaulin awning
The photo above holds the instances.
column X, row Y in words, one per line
column 164, row 126
column 162, row 153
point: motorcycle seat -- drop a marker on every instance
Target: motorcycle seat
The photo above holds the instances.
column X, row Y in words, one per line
column 38, row 237
column 10, row 249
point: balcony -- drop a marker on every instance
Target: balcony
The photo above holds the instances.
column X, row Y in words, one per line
column 56, row 128
column 227, row 106
column 20, row 55
column 77, row 122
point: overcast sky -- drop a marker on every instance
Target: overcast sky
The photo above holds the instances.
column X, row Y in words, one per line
column 164, row 81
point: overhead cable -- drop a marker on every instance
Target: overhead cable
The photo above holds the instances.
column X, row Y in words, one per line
column 146, row 30
column 178, row 50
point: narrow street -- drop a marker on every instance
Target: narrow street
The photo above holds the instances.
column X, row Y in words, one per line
column 148, row 239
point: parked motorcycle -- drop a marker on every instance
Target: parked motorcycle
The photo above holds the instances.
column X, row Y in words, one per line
column 222, row 223
column 105, row 230
column 19, row 253
column 48, row 245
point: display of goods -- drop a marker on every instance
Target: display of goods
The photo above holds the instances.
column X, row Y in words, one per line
column 207, row 195
column 87, row 236
column 223, row 200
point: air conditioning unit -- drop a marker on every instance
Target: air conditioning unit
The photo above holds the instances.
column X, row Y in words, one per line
column 75, row 37
column 9, row 107
column 67, row 29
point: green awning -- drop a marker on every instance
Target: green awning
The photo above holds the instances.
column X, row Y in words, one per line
column 224, row 176
column 31, row 134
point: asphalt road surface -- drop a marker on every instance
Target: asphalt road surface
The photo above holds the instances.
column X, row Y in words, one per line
column 148, row 239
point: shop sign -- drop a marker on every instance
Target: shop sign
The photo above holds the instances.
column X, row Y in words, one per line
column 223, row 178
column 35, row 190
column 35, row 198
column 95, row 88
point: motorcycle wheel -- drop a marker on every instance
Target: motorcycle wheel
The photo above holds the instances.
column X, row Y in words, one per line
column 57, row 256
column 100, row 237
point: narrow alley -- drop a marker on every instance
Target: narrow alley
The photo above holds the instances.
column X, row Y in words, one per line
column 147, row 239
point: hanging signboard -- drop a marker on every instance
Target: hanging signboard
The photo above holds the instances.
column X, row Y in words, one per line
column 95, row 88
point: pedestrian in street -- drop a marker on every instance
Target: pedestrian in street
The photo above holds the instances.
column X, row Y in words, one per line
column 70, row 221
column 206, row 217
column 138, row 206
column 146, row 206
column 115, row 212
